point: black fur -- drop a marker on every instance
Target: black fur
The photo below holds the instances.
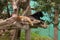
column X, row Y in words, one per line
column 37, row 15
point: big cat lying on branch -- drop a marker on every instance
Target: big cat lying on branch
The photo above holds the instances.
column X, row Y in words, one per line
column 31, row 19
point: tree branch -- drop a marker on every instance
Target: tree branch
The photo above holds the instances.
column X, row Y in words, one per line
column 5, row 24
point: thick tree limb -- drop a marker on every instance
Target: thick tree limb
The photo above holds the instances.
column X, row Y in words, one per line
column 5, row 24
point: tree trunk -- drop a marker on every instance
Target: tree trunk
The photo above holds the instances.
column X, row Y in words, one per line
column 56, row 25
column 27, row 33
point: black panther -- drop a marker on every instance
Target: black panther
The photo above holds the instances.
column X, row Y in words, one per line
column 37, row 15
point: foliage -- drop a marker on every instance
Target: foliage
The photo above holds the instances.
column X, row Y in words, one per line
column 35, row 36
column 45, row 5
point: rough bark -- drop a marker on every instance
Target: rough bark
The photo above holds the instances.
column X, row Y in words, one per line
column 11, row 21
column 56, row 25
column 27, row 33
column 5, row 23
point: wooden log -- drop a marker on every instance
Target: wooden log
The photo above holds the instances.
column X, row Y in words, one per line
column 13, row 37
column 19, row 25
column 19, row 34
column 5, row 23
column 16, row 34
column 27, row 33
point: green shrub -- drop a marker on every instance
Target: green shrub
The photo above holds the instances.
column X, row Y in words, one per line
column 35, row 36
